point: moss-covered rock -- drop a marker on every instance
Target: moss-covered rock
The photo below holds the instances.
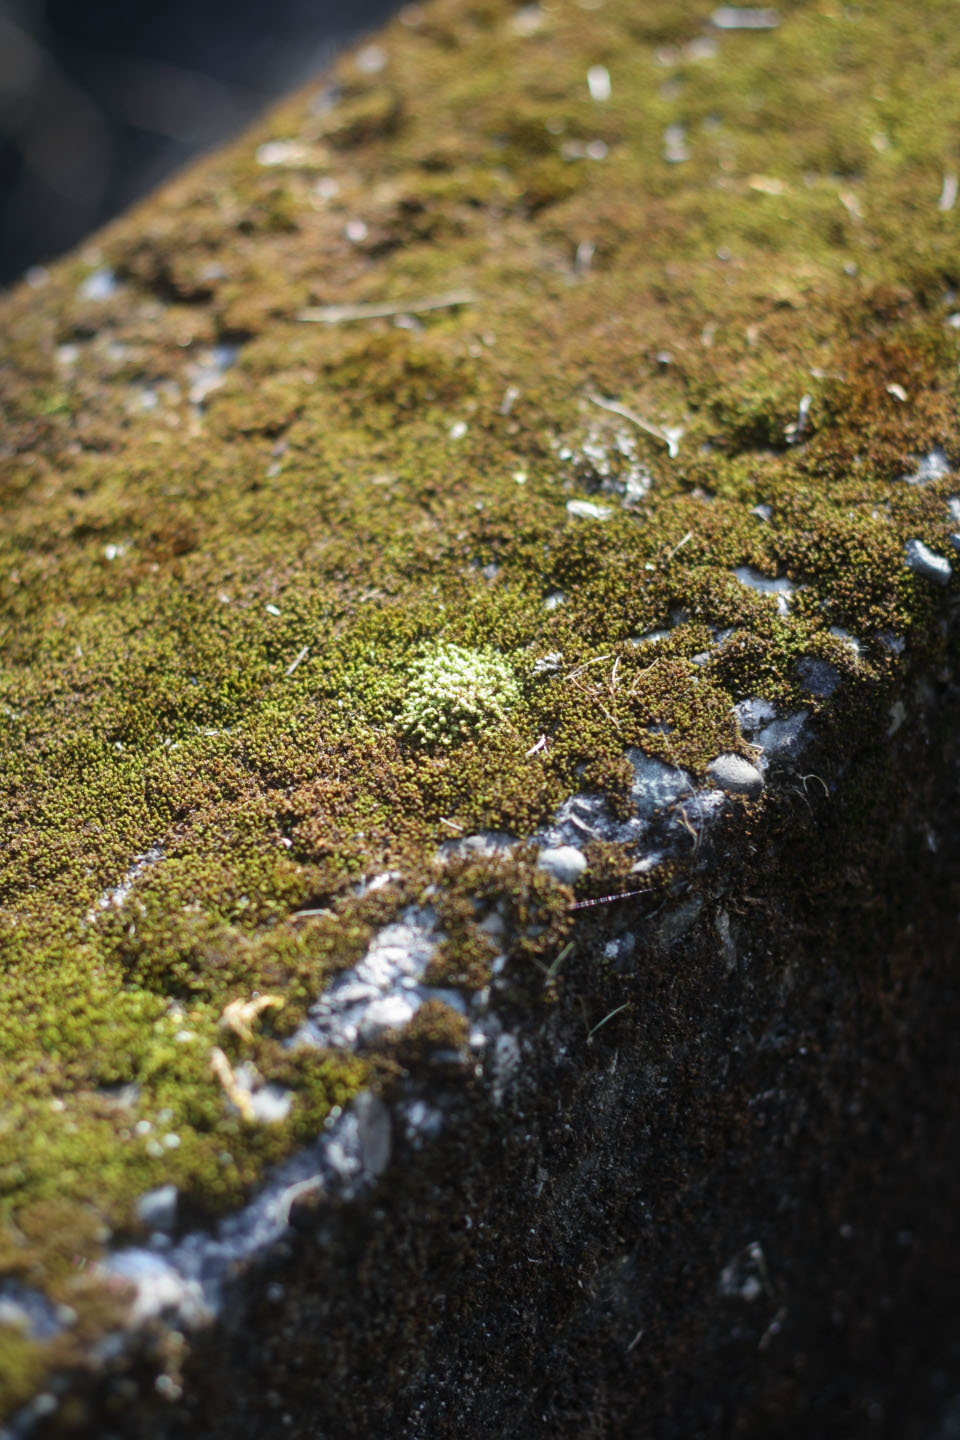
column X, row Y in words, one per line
column 451, row 471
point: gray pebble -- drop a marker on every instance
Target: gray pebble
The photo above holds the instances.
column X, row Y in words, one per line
column 924, row 562
column 736, row 775
column 564, row 862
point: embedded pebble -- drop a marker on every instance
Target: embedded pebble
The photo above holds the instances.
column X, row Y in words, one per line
column 586, row 510
column 157, row 1209
column 564, row 862
column 742, row 17
column 655, row 783
column 754, row 580
column 924, row 562
column 736, row 775
column 753, row 713
column 784, row 738
column 818, row 677
column 930, row 467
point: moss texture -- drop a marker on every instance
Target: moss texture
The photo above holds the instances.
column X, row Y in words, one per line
column 218, row 582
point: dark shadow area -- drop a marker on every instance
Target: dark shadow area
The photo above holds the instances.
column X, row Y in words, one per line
column 100, row 100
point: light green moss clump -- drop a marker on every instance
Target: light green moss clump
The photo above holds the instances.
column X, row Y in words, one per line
column 455, row 693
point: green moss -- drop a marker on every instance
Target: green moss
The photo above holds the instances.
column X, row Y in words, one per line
column 287, row 639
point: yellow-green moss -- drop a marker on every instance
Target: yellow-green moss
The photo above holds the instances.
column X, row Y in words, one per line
column 212, row 613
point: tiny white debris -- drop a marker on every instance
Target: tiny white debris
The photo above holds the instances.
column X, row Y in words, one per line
column 555, row 598
column 923, row 561
column 458, row 429
column 948, row 194
column 100, row 285
column 564, row 862
column 326, row 188
column 282, row 152
column 736, row 775
column 371, row 59
column 68, row 354
column 586, row 510
column 898, row 392
column 598, row 83
column 356, row 231
column 584, row 256
column 37, row 276
column 738, row 17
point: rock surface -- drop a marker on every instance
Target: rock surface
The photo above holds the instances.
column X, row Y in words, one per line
column 447, row 479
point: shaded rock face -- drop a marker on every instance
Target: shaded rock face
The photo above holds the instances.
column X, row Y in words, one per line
column 730, row 1209
column 477, row 725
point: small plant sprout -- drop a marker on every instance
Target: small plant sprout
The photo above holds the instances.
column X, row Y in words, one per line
column 456, row 693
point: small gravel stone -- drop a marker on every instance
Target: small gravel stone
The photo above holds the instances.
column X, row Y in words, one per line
column 736, row 775
column 923, row 561
column 564, row 862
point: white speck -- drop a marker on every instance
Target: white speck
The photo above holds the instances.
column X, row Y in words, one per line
column 738, row 17
column 371, row 59
column 326, row 187
column 898, row 392
column 356, row 231
column 510, row 397
column 273, row 610
column 898, row 713
column 171, row 1141
column 154, row 1149
column 68, row 354
column 598, row 83
column 675, row 147
column 458, row 429
column 597, row 150
column 528, row 20
column 586, row 510
column 584, row 256
column 37, row 276
column 270, row 1104
column 948, row 194
column 282, row 152
column 100, row 285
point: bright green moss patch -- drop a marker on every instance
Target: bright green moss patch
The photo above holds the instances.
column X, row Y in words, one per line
column 280, row 618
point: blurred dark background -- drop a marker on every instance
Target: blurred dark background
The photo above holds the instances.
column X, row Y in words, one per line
column 101, row 99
